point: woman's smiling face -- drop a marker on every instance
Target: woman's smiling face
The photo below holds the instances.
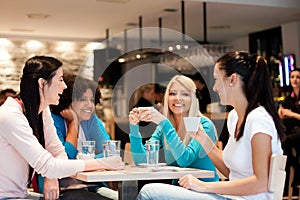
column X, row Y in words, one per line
column 179, row 100
column 84, row 106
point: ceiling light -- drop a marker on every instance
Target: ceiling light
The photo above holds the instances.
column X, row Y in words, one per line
column 178, row 47
column 113, row 1
column 121, row 60
column 131, row 24
column 219, row 27
column 37, row 16
column 21, row 30
column 170, row 10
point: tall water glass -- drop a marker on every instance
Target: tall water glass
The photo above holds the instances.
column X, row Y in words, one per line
column 152, row 152
column 113, row 147
column 88, row 150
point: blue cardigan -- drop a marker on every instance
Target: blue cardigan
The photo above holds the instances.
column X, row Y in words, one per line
column 93, row 130
column 177, row 154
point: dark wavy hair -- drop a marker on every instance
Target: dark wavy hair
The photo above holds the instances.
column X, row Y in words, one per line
column 257, row 87
column 76, row 87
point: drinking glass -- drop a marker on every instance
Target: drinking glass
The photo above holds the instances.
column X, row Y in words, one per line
column 113, row 147
column 152, row 152
column 88, row 150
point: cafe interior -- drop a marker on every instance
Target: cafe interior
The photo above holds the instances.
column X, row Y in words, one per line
column 124, row 44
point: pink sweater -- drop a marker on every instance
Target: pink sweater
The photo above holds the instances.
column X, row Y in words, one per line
column 19, row 147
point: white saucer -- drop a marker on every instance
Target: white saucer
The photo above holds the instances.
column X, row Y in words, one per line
column 149, row 165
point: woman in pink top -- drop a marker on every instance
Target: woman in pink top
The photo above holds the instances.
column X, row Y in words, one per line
column 28, row 138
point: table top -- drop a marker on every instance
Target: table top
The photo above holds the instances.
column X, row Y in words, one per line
column 142, row 173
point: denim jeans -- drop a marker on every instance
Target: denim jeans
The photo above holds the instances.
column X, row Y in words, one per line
column 165, row 192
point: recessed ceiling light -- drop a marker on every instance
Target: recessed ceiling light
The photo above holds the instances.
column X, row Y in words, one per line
column 220, row 27
column 170, row 10
column 131, row 24
column 37, row 16
column 113, row 1
column 21, row 30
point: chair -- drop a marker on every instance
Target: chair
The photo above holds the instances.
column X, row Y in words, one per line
column 290, row 180
column 277, row 175
column 127, row 155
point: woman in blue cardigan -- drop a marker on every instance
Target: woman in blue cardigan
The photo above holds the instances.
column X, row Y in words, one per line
column 179, row 148
column 76, row 121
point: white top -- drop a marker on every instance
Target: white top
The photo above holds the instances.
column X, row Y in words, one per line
column 238, row 155
column 18, row 147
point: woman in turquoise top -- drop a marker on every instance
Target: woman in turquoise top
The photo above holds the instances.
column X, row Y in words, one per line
column 179, row 148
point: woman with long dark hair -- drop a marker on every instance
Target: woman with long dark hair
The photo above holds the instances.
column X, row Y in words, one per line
column 28, row 138
column 241, row 80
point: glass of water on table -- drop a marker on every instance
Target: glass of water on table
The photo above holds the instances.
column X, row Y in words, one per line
column 88, row 150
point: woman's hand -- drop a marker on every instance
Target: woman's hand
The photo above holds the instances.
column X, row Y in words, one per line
column 134, row 116
column 69, row 115
column 51, row 189
column 285, row 113
column 111, row 163
column 203, row 139
column 150, row 114
column 191, row 183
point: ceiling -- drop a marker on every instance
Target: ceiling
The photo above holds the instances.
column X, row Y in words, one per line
column 89, row 20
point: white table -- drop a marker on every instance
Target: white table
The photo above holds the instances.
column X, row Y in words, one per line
column 133, row 173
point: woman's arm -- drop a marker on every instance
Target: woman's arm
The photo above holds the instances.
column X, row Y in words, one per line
column 287, row 113
column 61, row 131
column 257, row 183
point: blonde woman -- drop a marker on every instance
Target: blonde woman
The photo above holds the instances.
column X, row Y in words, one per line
column 179, row 148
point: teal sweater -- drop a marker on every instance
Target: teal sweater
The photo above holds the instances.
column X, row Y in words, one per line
column 177, row 153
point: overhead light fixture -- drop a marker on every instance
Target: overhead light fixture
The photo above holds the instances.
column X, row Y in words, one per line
column 131, row 24
column 37, row 16
column 220, row 27
column 21, row 30
column 121, row 60
column 170, row 10
column 113, row 1
column 138, row 56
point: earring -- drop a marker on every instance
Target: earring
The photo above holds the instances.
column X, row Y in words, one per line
column 230, row 84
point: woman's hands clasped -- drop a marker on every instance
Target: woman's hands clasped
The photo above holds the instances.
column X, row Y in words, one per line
column 146, row 114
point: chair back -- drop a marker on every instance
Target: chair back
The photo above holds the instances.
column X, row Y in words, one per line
column 277, row 175
column 128, row 155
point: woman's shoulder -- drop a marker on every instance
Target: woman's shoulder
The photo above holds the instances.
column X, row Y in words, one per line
column 259, row 112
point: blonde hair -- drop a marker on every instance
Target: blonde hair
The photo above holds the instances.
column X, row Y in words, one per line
column 194, row 111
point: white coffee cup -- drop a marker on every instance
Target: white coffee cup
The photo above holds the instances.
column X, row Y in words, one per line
column 191, row 123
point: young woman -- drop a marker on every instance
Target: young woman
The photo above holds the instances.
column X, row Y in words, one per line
column 75, row 122
column 28, row 138
column 289, row 112
column 242, row 81
column 179, row 148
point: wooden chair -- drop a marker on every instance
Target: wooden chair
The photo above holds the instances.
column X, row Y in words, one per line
column 127, row 155
column 277, row 175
